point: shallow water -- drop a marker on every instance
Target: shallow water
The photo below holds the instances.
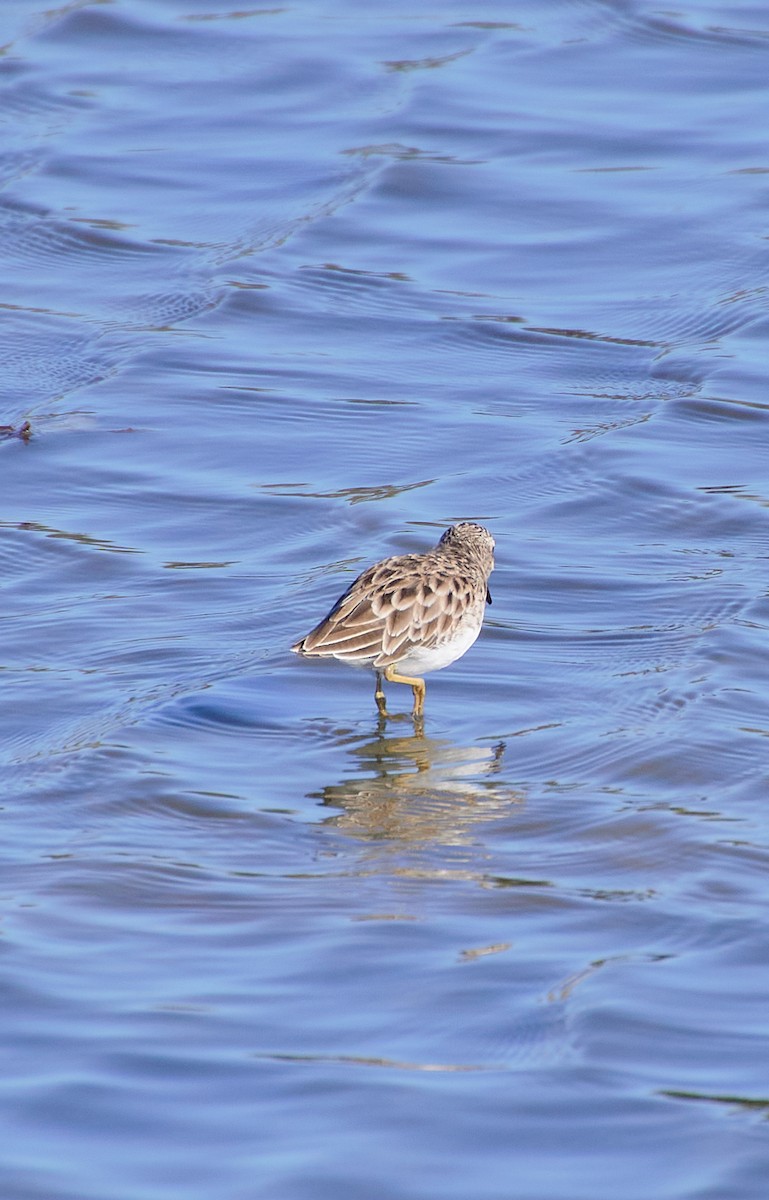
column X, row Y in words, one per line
column 284, row 291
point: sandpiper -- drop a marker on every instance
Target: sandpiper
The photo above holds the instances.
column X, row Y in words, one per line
column 410, row 614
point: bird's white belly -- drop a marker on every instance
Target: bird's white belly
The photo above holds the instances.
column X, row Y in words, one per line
column 423, row 659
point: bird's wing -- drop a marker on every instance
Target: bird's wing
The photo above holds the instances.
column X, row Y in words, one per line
column 392, row 607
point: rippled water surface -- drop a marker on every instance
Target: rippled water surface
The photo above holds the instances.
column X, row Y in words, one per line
column 284, row 290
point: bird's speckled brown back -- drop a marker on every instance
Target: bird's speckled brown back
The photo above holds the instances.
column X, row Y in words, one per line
column 409, row 601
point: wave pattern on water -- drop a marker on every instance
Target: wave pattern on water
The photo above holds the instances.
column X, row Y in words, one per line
column 285, row 291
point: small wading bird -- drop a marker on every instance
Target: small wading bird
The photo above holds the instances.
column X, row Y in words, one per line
column 410, row 614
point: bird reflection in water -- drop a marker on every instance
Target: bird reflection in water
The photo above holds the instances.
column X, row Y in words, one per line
column 417, row 789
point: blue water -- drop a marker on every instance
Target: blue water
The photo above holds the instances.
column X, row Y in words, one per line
column 283, row 291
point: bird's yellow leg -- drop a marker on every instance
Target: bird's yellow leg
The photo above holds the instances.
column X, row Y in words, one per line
column 418, row 685
column 379, row 696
